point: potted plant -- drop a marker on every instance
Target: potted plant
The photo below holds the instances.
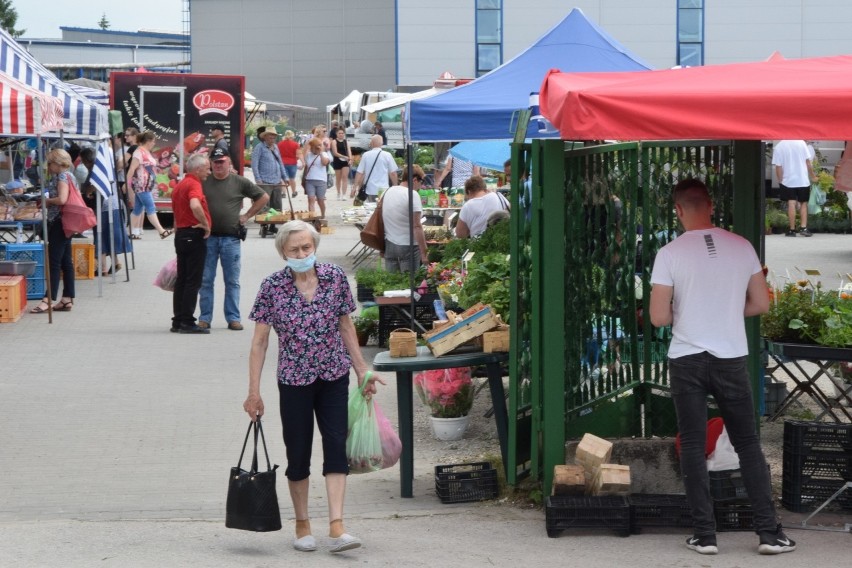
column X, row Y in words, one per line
column 449, row 395
column 366, row 324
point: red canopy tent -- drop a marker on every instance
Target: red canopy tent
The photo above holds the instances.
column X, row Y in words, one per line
column 25, row 111
column 778, row 99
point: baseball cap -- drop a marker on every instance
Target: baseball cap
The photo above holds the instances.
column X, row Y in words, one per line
column 220, row 127
column 218, row 154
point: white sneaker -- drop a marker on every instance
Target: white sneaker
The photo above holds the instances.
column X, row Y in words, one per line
column 305, row 544
column 344, row 542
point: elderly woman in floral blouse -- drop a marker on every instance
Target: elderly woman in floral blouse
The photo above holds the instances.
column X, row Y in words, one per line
column 308, row 304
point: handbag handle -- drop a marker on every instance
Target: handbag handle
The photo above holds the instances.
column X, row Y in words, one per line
column 257, row 427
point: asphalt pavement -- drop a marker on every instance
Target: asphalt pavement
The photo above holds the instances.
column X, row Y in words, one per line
column 117, row 438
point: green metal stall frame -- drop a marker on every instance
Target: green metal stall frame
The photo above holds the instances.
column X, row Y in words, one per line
column 581, row 358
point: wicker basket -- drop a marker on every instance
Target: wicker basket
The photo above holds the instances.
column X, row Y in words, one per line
column 461, row 329
column 403, row 343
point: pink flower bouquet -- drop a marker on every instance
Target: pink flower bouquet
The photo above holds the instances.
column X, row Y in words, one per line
column 447, row 392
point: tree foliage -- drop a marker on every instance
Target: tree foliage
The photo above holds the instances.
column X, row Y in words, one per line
column 103, row 23
column 8, row 18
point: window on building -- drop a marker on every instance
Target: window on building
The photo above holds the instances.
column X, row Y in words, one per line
column 690, row 32
column 489, row 35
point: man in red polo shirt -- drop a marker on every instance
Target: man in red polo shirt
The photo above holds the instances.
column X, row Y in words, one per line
column 192, row 227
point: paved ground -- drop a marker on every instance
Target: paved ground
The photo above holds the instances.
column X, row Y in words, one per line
column 118, row 435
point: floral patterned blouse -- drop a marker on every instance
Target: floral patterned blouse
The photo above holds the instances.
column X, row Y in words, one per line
column 53, row 211
column 310, row 346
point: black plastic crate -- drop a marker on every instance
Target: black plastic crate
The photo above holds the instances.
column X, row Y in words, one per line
column 364, row 294
column 563, row 512
column 817, row 465
column 466, row 482
column 391, row 318
column 727, row 484
column 802, row 436
column 807, row 494
column 658, row 510
column 733, row 516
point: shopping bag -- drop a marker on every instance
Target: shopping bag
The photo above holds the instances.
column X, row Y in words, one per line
column 252, row 499
column 76, row 215
column 363, row 442
column 391, row 444
column 816, row 200
column 373, row 234
column 167, row 276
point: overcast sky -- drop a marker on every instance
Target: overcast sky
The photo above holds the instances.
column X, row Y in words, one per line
column 42, row 19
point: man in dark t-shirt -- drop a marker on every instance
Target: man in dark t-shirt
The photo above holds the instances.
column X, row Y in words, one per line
column 225, row 192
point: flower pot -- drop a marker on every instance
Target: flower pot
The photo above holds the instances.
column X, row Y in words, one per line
column 450, row 429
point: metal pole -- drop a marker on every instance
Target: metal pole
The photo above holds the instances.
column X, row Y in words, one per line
column 409, row 160
column 42, row 180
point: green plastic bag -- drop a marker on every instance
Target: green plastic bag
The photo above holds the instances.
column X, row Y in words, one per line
column 817, row 199
column 363, row 443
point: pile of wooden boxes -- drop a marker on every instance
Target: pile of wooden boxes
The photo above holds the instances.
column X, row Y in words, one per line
column 592, row 474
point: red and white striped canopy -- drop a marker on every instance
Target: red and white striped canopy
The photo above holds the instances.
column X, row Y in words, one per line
column 25, row 111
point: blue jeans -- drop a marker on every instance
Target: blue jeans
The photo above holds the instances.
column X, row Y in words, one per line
column 693, row 377
column 226, row 249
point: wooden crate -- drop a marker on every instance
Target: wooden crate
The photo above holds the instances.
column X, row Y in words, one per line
column 83, row 256
column 569, row 480
column 496, row 341
column 611, row 479
column 13, row 298
column 461, row 329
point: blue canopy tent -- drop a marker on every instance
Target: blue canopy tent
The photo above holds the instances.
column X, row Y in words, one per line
column 483, row 109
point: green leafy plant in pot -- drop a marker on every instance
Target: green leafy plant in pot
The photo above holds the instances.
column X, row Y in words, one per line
column 366, row 324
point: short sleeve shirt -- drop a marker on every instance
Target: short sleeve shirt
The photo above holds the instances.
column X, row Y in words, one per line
column 310, row 346
column 709, row 270
column 186, row 190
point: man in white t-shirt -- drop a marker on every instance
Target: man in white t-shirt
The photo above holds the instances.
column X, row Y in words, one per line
column 794, row 171
column 706, row 282
column 376, row 168
column 400, row 253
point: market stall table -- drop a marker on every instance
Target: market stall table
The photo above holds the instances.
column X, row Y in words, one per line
column 787, row 356
column 405, row 367
column 29, row 229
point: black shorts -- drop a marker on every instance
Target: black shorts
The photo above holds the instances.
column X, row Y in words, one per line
column 800, row 194
column 339, row 164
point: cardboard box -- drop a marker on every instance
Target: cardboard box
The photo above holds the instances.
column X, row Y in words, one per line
column 611, row 479
column 569, row 480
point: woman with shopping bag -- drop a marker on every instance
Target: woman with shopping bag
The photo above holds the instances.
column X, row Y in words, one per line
column 308, row 305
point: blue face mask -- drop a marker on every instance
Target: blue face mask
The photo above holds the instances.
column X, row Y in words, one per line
column 302, row 264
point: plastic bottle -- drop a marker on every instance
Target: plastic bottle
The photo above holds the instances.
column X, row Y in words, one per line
column 443, row 202
column 19, row 237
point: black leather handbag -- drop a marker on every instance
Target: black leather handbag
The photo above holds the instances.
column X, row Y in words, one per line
column 252, row 499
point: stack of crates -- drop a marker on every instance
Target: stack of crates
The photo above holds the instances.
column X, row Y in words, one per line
column 817, row 462
column 730, row 501
column 33, row 252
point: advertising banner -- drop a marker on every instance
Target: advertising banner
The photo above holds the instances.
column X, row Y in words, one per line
column 208, row 100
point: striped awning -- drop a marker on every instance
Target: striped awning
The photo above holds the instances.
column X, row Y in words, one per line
column 82, row 117
column 25, row 111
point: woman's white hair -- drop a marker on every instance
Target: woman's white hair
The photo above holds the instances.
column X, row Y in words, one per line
column 295, row 226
